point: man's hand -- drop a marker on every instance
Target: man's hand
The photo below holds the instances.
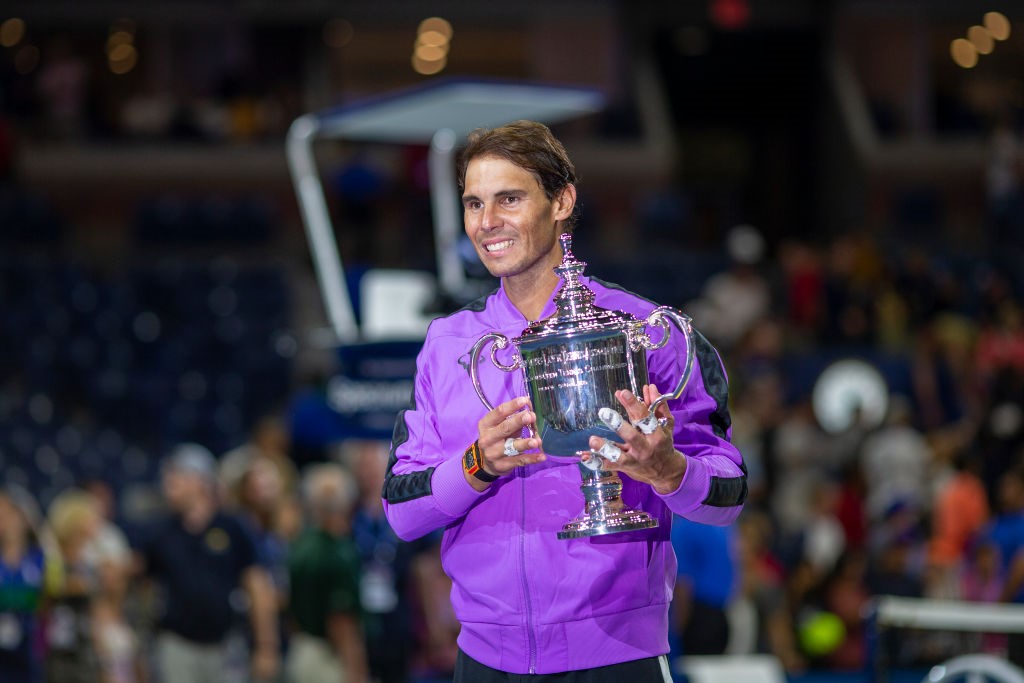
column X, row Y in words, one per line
column 495, row 428
column 650, row 458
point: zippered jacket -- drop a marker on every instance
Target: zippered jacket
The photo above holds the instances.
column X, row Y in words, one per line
column 529, row 602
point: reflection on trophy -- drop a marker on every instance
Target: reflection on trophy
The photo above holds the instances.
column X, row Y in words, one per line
column 574, row 361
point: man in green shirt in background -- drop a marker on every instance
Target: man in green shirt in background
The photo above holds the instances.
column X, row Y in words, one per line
column 328, row 646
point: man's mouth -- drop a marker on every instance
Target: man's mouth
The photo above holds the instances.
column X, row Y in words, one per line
column 498, row 246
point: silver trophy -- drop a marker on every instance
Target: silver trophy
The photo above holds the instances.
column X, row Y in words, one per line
column 575, row 360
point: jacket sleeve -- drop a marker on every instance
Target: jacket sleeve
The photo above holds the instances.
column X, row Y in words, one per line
column 424, row 488
column 714, row 486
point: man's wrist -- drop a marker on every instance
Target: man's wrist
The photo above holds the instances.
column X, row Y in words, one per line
column 473, row 464
column 672, row 475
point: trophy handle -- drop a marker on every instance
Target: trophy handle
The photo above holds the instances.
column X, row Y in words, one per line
column 500, row 342
column 660, row 317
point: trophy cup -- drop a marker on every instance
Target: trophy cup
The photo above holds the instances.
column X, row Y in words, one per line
column 574, row 361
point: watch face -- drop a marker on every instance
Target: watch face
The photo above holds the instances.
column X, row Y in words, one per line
column 469, row 459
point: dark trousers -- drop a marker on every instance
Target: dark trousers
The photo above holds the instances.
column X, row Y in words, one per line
column 650, row 670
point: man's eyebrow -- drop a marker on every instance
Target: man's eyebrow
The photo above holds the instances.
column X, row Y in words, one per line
column 498, row 194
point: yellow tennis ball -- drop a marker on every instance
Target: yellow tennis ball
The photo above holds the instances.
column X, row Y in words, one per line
column 821, row 633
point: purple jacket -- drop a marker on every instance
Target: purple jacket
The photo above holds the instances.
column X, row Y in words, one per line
column 527, row 601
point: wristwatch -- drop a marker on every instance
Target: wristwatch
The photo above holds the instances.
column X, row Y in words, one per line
column 471, row 464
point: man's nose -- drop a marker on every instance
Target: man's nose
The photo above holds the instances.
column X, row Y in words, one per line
column 489, row 217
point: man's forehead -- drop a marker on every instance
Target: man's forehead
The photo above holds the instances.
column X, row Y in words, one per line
column 508, row 175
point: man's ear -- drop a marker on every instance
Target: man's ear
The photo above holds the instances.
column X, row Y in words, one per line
column 565, row 202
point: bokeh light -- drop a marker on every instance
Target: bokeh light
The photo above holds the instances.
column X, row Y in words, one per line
column 428, row 67
column 119, row 37
column 338, row 32
column 12, row 31
column 998, row 25
column 442, row 26
column 430, row 52
column 964, row 53
column 981, row 39
column 123, row 59
column 26, row 59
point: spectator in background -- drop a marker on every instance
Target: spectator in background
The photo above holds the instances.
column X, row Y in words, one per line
column 732, row 301
column 798, row 467
column 260, row 500
column 436, row 627
column 1007, row 536
column 706, row 582
column 960, row 511
column 385, row 568
column 74, row 518
column 897, row 462
column 1004, row 189
column 26, row 579
column 202, row 556
column 1005, row 533
column 803, row 289
column 762, row 592
column 63, row 81
column 106, row 560
column 117, row 644
column 328, row 646
column 269, row 439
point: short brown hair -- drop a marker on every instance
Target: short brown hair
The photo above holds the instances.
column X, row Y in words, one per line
column 530, row 146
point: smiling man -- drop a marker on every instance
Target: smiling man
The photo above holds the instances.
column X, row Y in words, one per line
column 533, row 607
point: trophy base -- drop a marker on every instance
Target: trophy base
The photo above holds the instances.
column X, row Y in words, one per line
column 625, row 520
column 604, row 512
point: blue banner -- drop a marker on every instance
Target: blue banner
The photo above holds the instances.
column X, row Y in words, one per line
column 374, row 381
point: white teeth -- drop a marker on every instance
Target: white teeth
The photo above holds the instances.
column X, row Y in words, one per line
column 498, row 246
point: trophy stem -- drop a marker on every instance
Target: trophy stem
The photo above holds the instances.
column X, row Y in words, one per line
column 604, row 512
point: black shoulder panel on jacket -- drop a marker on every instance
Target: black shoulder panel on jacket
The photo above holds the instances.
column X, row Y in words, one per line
column 724, row 491
column 715, row 384
column 727, row 492
column 399, row 488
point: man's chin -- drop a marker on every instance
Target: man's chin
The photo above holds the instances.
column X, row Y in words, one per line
column 497, row 268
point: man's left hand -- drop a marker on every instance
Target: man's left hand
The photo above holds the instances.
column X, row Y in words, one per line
column 650, row 458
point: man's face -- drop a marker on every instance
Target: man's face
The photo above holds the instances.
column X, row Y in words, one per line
column 512, row 224
column 181, row 488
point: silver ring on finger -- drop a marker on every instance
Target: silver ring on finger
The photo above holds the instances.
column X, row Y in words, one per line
column 510, row 447
column 610, row 452
column 647, row 425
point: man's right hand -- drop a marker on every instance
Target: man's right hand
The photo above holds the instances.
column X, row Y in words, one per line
column 506, row 422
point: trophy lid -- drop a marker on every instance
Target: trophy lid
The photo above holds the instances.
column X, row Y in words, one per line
column 575, row 311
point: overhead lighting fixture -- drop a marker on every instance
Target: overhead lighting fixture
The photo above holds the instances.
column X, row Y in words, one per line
column 964, row 53
column 428, row 68
column 122, row 59
column 442, row 26
column 998, row 25
column 981, row 39
column 12, row 31
column 430, row 52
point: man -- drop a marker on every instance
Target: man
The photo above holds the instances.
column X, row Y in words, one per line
column 202, row 556
column 529, row 603
column 324, row 571
column 705, row 585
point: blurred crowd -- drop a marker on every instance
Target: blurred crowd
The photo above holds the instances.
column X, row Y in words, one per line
column 238, row 568
column 924, row 500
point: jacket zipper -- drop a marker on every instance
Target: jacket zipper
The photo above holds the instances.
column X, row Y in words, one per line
column 530, row 635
